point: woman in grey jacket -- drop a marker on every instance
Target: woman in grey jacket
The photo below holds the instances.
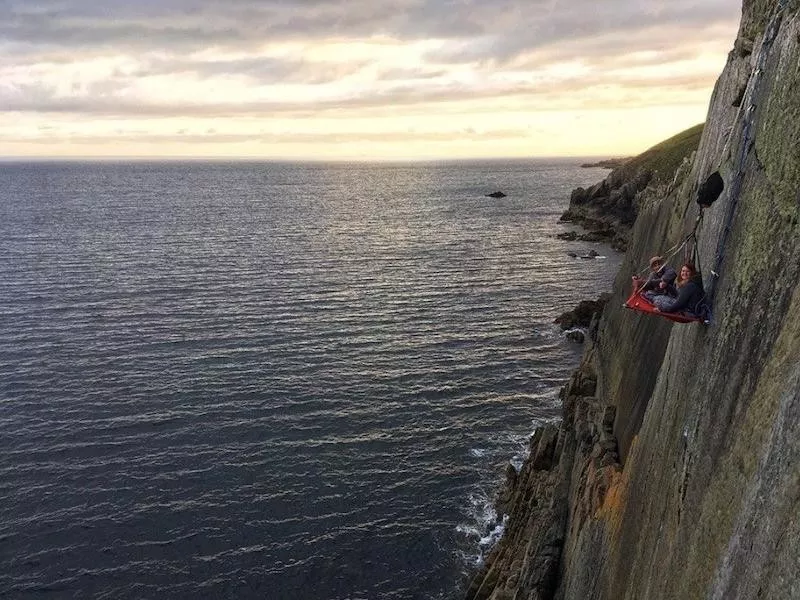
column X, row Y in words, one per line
column 690, row 293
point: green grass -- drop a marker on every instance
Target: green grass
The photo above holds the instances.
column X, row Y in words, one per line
column 664, row 158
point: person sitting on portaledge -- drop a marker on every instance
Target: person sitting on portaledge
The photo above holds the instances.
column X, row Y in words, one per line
column 661, row 280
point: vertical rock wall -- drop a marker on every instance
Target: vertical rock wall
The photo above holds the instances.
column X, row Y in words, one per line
column 712, row 502
column 674, row 474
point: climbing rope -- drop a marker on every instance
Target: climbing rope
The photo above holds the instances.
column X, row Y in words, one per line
column 681, row 245
column 691, row 254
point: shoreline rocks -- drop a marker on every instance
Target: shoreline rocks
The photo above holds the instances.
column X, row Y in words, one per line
column 588, row 255
column 576, row 335
column 571, row 466
column 600, row 236
column 583, row 313
column 609, row 208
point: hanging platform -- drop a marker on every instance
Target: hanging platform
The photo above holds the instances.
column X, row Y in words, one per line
column 639, row 303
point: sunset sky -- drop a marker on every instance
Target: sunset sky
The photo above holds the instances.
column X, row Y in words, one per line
column 355, row 79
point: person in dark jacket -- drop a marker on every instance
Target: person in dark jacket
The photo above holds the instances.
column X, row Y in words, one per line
column 690, row 293
column 660, row 282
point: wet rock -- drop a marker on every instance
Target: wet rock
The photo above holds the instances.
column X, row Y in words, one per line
column 597, row 236
column 576, row 335
column 581, row 315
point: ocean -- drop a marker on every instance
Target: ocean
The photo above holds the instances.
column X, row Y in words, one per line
column 274, row 380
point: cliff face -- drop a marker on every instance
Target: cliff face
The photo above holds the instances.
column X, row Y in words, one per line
column 674, row 473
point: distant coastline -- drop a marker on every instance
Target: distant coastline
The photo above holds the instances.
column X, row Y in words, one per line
column 609, row 163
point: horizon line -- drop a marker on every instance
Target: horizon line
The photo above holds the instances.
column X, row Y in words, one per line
column 259, row 159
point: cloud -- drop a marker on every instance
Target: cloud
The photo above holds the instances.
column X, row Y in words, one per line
column 510, row 25
column 109, row 100
column 186, row 137
column 353, row 59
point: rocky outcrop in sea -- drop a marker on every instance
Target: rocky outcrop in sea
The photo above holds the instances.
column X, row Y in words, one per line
column 672, row 474
column 583, row 314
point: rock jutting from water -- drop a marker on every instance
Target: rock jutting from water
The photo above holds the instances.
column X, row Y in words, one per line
column 583, row 313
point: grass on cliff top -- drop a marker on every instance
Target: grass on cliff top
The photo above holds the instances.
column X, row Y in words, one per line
column 664, row 159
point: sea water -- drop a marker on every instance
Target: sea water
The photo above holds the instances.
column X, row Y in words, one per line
column 273, row 380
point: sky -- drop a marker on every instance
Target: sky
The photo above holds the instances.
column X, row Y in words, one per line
column 355, row 79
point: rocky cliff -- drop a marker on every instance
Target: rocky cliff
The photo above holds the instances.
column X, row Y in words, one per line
column 674, row 472
column 609, row 208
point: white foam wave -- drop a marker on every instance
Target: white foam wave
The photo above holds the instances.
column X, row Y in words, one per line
column 488, row 541
column 517, row 462
column 574, row 329
column 482, row 531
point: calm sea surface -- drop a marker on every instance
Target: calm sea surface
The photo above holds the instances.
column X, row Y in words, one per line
column 273, row 381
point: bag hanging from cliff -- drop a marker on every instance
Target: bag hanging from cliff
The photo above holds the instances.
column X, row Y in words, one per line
column 703, row 312
column 710, row 189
